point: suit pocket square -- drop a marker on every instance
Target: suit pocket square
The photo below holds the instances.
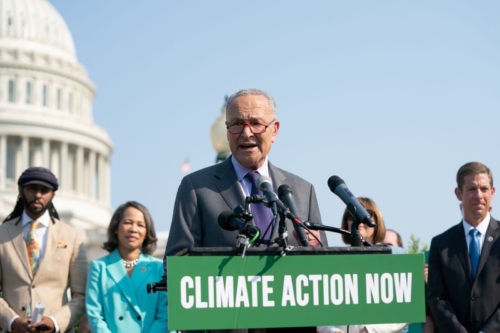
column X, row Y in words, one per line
column 61, row 245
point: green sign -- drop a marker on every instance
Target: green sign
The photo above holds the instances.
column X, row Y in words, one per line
column 218, row 292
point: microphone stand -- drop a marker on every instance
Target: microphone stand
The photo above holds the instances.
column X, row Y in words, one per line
column 355, row 236
column 356, row 239
column 318, row 226
column 282, row 239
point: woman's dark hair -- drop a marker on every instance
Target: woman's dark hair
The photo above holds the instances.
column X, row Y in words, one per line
column 149, row 244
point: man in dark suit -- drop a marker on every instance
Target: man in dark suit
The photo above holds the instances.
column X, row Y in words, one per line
column 464, row 261
column 252, row 127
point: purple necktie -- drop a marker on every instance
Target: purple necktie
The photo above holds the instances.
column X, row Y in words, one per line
column 262, row 215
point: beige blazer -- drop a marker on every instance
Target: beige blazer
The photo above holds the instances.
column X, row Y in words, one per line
column 63, row 266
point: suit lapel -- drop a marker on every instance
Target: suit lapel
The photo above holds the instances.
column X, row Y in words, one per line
column 141, row 272
column 278, row 179
column 15, row 231
column 227, row 185
column 117, row 272
column 277, row 176
column 53, row 234
column 489, row 239
column 460, row 246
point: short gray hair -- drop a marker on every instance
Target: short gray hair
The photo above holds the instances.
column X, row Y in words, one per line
column 246, row 92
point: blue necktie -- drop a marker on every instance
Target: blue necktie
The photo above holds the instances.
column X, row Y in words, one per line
column 474, row 250
column 262, row 215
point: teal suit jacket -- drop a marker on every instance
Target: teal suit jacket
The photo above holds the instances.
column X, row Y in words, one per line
column 116, row 302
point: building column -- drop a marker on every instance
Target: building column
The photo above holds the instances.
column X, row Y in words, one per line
column 46, row 153
column 100, row 178
column 55, row 159
column 79, row 171
column 104, row 180
column 63, row 162
column 92, row 175
column 108, row 182
column 25, row 154
column 3, row 161
column 37, row 154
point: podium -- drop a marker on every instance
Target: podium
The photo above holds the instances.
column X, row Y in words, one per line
column 218, row 288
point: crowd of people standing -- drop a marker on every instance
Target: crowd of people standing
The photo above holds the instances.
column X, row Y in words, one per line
column 42, row 258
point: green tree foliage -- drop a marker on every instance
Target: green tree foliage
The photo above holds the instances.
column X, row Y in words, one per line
column 414, row 245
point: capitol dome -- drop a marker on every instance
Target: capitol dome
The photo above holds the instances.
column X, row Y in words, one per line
column 46, row 116
column 28, row 22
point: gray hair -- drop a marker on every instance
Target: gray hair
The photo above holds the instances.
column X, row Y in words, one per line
column 246, row 92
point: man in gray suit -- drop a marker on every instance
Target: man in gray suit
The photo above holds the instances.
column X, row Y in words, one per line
column 203, row 195
column 252, row 128
column 464, row 261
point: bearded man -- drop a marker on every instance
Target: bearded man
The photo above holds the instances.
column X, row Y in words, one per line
column 40, row 259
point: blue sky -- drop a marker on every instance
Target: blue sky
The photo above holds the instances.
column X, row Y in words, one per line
column 391, row 96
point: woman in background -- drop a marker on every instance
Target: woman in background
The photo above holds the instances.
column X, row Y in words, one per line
column 373, row 235
column 117, row 300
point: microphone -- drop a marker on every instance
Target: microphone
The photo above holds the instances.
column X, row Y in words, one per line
column 229, row 222
column 285, row 194
column 271, row 199
column 338, row 186
column 264, row 184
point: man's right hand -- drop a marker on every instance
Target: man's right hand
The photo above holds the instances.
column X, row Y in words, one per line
column 44, row 325
column 20, row 325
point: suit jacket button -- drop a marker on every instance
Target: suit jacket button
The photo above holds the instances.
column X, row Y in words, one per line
column 138, row 317
column 120, row 318
column 474, row 297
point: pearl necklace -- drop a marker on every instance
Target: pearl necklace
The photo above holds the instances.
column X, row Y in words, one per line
column 129, row 264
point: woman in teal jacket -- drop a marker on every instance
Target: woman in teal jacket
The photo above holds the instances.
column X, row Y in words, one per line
column 117, row 298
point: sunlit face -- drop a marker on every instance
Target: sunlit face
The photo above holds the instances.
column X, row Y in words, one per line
column 476, row 195
column 250, row 149
column 36, row 199
column 365, row 232
column 131, row 230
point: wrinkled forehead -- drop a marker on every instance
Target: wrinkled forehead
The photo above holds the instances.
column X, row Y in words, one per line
column 249, row 107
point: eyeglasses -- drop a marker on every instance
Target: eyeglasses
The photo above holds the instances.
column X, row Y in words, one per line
column 255, row 128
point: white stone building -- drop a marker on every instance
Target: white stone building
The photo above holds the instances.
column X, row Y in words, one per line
column 46, row 100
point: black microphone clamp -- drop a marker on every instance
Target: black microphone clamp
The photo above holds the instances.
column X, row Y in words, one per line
column 255, row 198
column 157, row 286
column 242, row 213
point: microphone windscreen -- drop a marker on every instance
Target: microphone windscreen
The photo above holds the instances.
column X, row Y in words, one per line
column 224, row 220
column 262, row 180
column 283, row 190
column 334, row 181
